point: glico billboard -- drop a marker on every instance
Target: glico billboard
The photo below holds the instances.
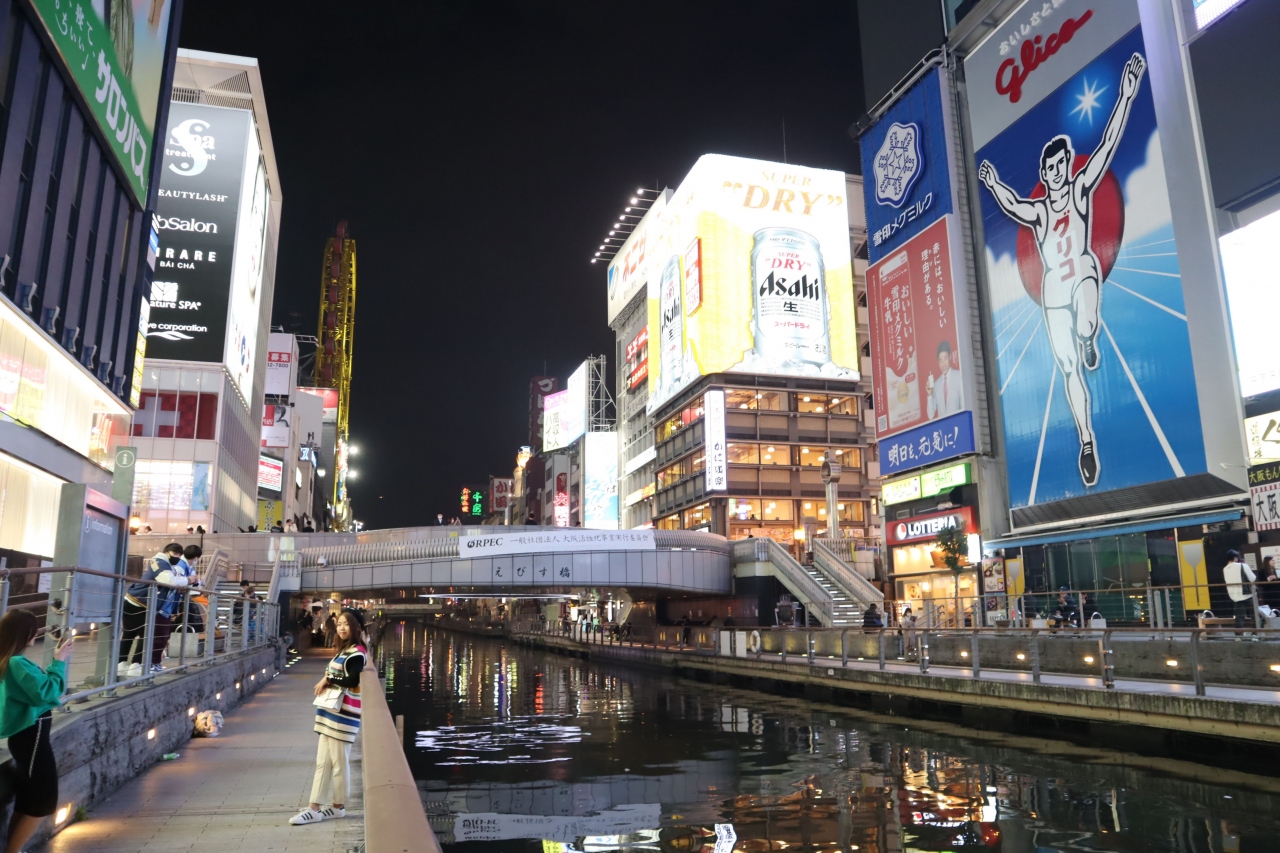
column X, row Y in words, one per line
column 1096, row 377
column 750, row 272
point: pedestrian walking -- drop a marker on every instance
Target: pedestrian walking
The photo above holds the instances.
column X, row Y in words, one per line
column 1239, row 578
column 27, row 696
column 330, row 631
column 337, row 722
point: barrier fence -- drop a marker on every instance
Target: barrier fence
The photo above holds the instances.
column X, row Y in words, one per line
column 1195, row 657
column 117, row 634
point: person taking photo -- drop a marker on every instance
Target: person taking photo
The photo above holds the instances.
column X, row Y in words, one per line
column 27, row 696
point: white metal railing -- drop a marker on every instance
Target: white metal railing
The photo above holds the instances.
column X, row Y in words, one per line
column 860, row 554
column 793, row 575
column 839, row 572
column 117, row 637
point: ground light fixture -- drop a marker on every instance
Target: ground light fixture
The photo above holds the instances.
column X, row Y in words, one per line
column 1088, row 658
column 151, row 735
column 1171, row 662
column 217, row 696
column 62, row 815
column 191, row 712
column 1021, row 656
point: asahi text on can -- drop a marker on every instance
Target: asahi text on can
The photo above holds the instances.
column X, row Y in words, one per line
column 791, row 321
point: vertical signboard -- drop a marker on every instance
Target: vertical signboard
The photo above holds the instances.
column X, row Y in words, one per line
column 717, row 452
column 270, row 474
column 750, row 272
column 276, row 421
column 1264, row 495
column 539, row 388
column 1096, row 381
column 560, row 505
column 600, row 481
column 116, row 59
column 212, row 219
column 282, row 365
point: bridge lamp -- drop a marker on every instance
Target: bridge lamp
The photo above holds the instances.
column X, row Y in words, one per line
column 352, row 474
column 354, row 450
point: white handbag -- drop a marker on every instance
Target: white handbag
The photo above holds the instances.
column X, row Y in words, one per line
column 330, row 699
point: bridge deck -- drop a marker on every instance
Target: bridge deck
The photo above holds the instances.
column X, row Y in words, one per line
column 234, row 792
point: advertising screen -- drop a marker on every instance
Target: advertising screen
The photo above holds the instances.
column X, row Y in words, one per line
column 282, row 369
column 116, row 60
column 1253, row 291
column 1096, row 381
column 564, row 417
column 600, row 481
column 275, row 425
column 637, row 360
column 750, row 272
column 270, row 473
column 212, row 217
column 629, row 269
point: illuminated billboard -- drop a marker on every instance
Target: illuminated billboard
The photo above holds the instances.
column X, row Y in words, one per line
column 212, row 219
column 116, row 59
column 629, row 269
column 270, row 473
column 1095, row 365
column 1253, row 291
column 564, row 417
column 750, row 272
column 600, row 481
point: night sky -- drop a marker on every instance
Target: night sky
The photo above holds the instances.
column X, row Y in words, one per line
column 480, row 151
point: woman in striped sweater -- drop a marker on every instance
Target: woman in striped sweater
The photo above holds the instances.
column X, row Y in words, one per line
column 337, row 728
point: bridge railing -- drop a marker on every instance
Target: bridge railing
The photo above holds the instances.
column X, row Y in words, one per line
column 444, row 545
column 121, row 626
column 790, row 572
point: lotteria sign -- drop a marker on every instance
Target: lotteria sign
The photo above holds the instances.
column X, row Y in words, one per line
column 926, row 527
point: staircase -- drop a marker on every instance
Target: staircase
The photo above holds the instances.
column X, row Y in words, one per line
column 845, row 612
column 850, row 592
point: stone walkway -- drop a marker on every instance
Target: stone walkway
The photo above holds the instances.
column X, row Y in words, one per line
column 234, row 792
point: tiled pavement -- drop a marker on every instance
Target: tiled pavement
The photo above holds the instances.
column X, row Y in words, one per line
column 231, row 793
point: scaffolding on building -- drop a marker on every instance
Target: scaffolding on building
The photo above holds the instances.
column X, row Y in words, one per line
column 334, row 352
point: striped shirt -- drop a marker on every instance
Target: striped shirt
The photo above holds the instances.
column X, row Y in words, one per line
column 344, row 671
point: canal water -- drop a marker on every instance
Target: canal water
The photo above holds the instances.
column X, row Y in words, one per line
column 516, row 750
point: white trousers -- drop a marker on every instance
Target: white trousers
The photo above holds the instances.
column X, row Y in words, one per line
column 332, row 782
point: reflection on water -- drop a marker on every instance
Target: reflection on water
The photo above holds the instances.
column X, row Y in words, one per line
column 519, row 751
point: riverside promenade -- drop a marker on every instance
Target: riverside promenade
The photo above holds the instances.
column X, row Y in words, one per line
column 233, row 792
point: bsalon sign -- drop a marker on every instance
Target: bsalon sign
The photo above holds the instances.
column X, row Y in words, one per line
column 926, row 527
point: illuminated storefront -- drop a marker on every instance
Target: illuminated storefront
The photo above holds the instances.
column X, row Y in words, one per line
column 921, row 577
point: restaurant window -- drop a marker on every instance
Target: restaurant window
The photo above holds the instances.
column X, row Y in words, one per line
column 847, row 405
column 849, row 457
column 738, row 398
column 764, row 401
column 699, row 462
column 670, row 522
column 778, row 510
column 812, row 457
column 744, row 509
column 743, row 454
column 697, row 517
column 806, row 402
column 775, row 454
column 674, row 473
column 681, row 419
column 852, row 511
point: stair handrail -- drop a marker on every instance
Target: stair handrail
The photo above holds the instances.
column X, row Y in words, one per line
column 853, row 584
column 790, row 572
column 847, row 548
column 215, row 565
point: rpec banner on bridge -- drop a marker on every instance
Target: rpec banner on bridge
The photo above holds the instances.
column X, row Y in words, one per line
column 564, row 541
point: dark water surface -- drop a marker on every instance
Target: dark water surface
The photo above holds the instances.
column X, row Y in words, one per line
column 520, row 751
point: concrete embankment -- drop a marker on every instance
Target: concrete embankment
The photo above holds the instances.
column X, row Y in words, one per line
column 1133, row 710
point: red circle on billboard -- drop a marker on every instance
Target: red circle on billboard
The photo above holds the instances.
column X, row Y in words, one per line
column 1106, row 231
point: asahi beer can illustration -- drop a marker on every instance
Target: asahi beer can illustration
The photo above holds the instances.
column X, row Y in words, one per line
column 671, row 324
column 791, row 320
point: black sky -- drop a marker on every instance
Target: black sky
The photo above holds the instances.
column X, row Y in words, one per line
column 479, row 151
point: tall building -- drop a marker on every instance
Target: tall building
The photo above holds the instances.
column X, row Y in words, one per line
column 198, row 427
column 740, row 326
column 334, row 354
column 79, row 166
column 291, row 430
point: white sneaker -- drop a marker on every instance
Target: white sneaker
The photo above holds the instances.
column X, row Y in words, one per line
column 135, row 670
column 122, row 668
column 306, row 816
column 331, row 813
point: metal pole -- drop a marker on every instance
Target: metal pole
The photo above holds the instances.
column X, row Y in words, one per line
column 784, row 646
column 1196, row 670
column 1035, row 655
column 882, row 649
column 977, row 666
column 182, row 635
column 4, row 593
column 844, row 651
column 1108, row 663
column 119, row 588
column 211, row 627
column 149, row 635
column 924, row 651
column 809, row 641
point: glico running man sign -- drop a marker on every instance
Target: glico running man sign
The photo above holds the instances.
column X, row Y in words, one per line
column 1096, row 382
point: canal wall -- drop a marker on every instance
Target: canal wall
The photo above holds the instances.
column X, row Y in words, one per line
column 1151, row 712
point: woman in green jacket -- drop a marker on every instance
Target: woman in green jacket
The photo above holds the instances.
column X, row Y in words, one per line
column 27, row 695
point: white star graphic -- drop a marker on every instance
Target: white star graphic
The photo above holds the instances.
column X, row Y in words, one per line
column 1088, row 101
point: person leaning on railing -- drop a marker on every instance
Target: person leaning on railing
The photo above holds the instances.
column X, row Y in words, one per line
column 134, row 616
column 27, row 696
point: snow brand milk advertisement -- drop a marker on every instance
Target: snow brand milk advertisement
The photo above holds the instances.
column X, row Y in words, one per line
column 1095, row 367
column 753, row 275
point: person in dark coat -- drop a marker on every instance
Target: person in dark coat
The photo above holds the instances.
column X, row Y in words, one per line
column 871, row 617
